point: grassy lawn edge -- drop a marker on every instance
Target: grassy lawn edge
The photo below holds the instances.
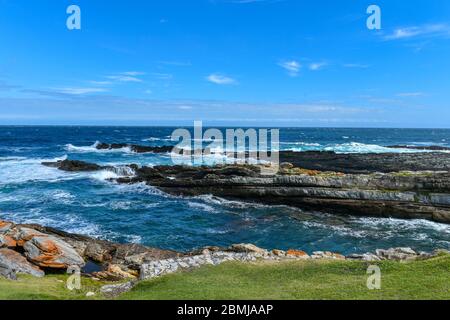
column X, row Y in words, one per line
column 296, row 280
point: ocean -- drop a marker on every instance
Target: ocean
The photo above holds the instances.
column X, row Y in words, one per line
column 87, row 203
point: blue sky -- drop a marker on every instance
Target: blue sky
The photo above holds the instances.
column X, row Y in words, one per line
column 226, row 62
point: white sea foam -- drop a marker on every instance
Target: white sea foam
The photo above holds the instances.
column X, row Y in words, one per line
column 25, row 170
column 153, row 139
column 202, row 206
column 401, row 224
column 350, row 147
column 93, row 149
column 230, row 203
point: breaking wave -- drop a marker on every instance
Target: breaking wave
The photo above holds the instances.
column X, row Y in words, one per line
column 351, row 147
column 93, row 149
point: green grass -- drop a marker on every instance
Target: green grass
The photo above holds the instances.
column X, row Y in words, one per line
column 302, row 280
column 52, row 287
column 428, row 279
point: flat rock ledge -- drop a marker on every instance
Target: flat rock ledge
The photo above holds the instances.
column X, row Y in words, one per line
column 402, row 194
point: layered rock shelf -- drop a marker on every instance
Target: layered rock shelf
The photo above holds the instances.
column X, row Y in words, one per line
column 383, row 185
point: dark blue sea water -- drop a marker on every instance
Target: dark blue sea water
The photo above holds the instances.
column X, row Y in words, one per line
column 87, row 203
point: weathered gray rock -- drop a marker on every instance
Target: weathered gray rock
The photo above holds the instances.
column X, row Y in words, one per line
column 6, row 272
column 103, row 252
column 159, row 268
column 115, row 290
column 7, row 241
column 5, row 226
column 248, row 247
column 18, row 264
column 51, row 252
column 399, row 254
column 327, row 255
column 364, row 257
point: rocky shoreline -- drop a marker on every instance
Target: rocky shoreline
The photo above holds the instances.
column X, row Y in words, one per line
column 410, row 186
column 380, row 185
column 37, row 250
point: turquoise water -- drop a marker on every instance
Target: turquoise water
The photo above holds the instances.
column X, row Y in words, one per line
column 87, row 203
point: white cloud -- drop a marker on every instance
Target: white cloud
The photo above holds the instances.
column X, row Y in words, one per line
column 430, row 30
column 123, row 78
column 100, row 83
column 129, row 76
column 356, row 65
column 410, row 94
column 176, row 63
column 317, row 66
column 163, row 76
column 293, row 67
column 79, row 91
column 220, row 79
column 133, row 73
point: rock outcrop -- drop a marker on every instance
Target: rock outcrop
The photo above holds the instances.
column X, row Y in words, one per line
column 133, row 262
column 402, row 194
column 422, row 148
column 6, row 272
column 51, row 249
column 7, row 241
column 134, row 148
column 17, row 263
column 50, row 252
column 358, row 163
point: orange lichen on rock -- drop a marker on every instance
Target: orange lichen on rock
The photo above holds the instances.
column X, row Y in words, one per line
column 50, row 252
column 296, row 253
column 26, row 234
column 5, row 226
column 7, row 241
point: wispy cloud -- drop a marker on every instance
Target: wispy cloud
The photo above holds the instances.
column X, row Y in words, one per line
column 100, row 83
column 317, row 66
column 162, row 76
column 292, row 67
column 122, row 78
column 245, row 1
column 79, row 91
column 133, row 73
column 424, row 31
column 220, row 79
column 356, row 65
column 176, row 63
column 6, row 86
column 116, row 109
column 129, row 76
column 410, row 94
